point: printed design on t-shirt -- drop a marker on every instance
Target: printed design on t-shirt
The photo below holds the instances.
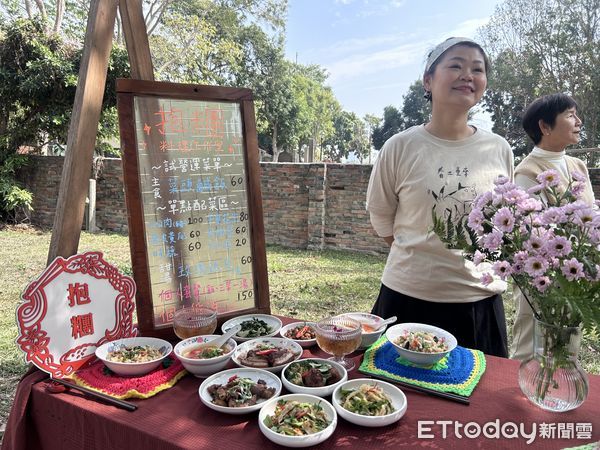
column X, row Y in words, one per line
column 451, row 206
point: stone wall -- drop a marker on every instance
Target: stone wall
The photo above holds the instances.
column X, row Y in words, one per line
column 315, row 206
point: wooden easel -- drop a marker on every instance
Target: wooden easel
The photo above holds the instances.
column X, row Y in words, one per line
column 83, row 129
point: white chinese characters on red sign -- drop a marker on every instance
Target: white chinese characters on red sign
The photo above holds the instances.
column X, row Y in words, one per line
column 73, row 307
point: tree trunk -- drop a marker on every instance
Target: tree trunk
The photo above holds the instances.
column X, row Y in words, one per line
column 310, row 154
column 60, row 13
column 276, row 151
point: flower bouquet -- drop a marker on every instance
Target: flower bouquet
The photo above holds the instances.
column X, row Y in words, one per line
column 548, row 241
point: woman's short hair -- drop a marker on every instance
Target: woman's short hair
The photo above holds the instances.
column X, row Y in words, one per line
column 545, row 108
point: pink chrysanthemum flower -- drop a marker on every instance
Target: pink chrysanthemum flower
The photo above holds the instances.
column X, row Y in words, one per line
column 478, row 257
column 492, row 241
column 502, row 269
column 534, row 244
column 542, row 283
column 554, row 215
column 572, row 269
column 475, row 220
column 504, row 220
column 536, row 266
column 559, row 246
column 578, row 176
column 529, row 205
column 548, row 178
column 486, row 279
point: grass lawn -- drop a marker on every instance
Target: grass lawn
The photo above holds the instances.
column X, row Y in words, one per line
column 303, row 284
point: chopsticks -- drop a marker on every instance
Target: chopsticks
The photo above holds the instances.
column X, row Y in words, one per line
column 445, row 395
column 99, row 395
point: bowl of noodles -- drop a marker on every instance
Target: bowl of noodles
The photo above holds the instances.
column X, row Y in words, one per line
column 297, row 420
column 420, row 343
column 134, row 356
column 202, row 361
column 369, row 403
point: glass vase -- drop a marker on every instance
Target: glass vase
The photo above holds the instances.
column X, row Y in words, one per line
column 552, row 378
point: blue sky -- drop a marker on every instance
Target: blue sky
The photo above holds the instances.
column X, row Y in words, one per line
column 374, row 49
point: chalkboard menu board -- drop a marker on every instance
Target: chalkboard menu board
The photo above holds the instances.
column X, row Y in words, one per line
column 190, row 159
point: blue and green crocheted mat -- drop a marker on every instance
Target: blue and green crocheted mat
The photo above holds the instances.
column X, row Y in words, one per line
column 458, row 372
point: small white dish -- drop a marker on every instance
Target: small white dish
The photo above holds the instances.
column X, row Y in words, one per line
column 321, row 391
column 371, row 328
column 397, row 398
column 133, row 369
column 298, row 441
column 420, row 358
column 272, row 322
column 203, row 367
column 242, row 350
column 303, row 342
column 271, row 380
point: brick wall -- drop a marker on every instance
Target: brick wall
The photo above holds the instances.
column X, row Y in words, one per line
column 313, row 206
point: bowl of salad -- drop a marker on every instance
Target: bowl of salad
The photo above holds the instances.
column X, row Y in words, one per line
column 420, row 343
column 297, row 420
column 134, row 356
column 313, row 376
column 368, row 402
column 301, row 332
column 202, row 361
column 253, row 326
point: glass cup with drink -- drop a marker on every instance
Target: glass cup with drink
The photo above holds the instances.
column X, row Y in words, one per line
column 194, row 320
column 339, row 336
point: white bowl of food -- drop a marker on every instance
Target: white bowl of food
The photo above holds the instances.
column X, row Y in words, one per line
column 271, row 354
column 317, row 421
column 372, row 329
column 239, row 391
column 253, row 326
column 420, row 343
column 314, row 376
column 133, row 357
column 369, row 403
column 204, row 361
column 301, row 332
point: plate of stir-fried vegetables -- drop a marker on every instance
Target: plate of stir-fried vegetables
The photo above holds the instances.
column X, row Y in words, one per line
column 370, row 403
column 297, row 420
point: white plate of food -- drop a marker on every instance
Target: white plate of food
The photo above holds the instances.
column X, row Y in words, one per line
column 314, row 376
column 134, row 356
column 420, row 343
column 369, row 403
column 313, row 420
column 301, row 332
column 271, row 354
column 240, row 390
column 253, row 326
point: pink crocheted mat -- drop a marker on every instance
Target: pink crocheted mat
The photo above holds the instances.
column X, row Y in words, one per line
column 98, row 377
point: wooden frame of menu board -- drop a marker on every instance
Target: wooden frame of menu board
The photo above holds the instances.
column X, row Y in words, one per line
column 192, row 184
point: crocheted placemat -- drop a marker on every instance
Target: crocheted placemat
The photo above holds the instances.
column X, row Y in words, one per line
column 458, row 372
column 100, row 378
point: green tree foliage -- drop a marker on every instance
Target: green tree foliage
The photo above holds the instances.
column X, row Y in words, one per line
column 540, row 47
column 349, row 137
column 392, row 124
column 38, row 79
column 415, row 109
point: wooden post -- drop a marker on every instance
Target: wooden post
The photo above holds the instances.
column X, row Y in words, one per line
column 86, row 111
column 83, row 129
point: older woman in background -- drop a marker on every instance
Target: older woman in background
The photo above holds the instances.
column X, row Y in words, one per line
column 552, row 124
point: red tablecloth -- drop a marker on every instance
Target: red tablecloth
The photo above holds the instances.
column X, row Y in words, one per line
column 176, row 419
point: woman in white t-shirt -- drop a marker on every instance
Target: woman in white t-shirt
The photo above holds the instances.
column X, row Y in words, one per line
column 552, row 124
column 440, row 167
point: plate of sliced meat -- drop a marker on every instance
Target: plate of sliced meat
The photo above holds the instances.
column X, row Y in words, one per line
column 239, row 391
column 271, row 354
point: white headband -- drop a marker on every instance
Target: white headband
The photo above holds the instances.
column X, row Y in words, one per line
column 441, row 48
